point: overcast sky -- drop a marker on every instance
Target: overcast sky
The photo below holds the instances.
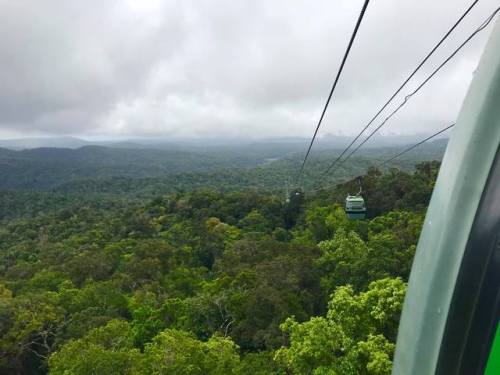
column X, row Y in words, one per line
column 256, row 68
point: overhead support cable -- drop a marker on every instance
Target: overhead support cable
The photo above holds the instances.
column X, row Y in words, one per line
column 346, row 54
column 415, row 146
column 404, row 84
column 408, row 97
column 404, row 151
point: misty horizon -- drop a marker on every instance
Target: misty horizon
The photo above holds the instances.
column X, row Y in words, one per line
column 327, row 140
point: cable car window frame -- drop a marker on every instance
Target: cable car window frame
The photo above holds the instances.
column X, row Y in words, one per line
column 475, row 306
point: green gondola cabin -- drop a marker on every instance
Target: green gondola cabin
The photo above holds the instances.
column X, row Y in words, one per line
column 355, row 207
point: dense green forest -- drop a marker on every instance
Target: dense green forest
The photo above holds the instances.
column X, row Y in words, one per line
column 208, row 280
column 146, row 173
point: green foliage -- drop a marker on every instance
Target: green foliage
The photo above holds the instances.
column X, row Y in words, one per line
column 343, row 260
column 200, row 282
column 355, row 337
column 255, row 221
column 178, row 352
column 105, row 350
column 110, row 350
column 260, row 363
column 387, row 252
column 29, row 324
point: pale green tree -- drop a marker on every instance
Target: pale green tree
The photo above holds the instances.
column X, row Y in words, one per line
column 356, row 337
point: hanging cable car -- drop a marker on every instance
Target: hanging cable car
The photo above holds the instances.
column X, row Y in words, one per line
column 355, row 207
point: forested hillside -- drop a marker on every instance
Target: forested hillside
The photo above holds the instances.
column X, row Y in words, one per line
column 207, row 281
column 46, row 168
column 262, row 167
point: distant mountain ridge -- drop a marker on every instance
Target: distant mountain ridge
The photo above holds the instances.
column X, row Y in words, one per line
column 327, row 141
column 46, row 167
column 263, row 165
column 28, row 143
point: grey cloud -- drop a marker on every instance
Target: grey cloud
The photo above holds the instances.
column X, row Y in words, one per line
column 209, row 68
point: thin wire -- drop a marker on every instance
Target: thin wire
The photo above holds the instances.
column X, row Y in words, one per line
column 346, row 54
column 402, row 152
column 407, row 98
column 403, row 84
column 415, row 145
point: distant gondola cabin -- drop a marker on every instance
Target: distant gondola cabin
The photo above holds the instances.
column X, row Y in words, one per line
column 355, row 207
